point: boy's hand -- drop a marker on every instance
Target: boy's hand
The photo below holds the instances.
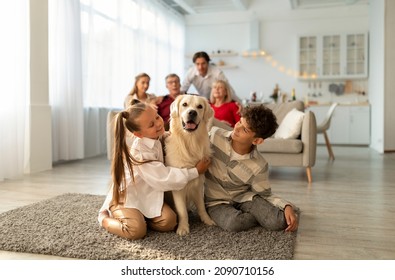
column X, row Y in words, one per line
column 290, row 217
column 203, row 165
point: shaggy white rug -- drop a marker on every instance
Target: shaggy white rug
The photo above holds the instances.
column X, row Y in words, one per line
column 67, row 226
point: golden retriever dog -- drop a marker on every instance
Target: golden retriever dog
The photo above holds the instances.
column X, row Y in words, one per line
column 188, row 143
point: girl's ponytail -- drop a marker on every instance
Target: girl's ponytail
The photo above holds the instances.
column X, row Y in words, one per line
column 120, row 153
column 125, row 122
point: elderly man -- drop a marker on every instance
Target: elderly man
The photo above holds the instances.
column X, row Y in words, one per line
column 203, row 75
column 173, row 85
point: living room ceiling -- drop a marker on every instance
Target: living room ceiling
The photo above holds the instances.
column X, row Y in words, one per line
column 196, row 7
column 319, row 4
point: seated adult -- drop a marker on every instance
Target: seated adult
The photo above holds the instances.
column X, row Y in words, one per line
column 139, row 91
column 202, row 75
column 173, row 85
column 225, row 109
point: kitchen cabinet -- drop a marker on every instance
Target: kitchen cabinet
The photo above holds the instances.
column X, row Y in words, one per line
column 359, row 132
column 357, row 55
column 331, row 55
column 336, row 56
column 308, row 56
column 350, row 124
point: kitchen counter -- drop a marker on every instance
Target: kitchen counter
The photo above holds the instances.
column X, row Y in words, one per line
column 350, row 124
column 340, row 104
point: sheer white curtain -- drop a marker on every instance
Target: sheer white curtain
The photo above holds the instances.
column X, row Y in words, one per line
column 65, row 79
column 120, row 39
column 14, row 94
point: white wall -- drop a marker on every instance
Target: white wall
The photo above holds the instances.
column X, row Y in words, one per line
column 389, row 124
column 377, row 78
column 381, row 82
column 279, row 29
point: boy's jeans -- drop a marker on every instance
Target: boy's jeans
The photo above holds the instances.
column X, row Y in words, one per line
column 242, row 216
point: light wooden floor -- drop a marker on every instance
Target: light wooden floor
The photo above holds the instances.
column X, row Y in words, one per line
column 347, row 212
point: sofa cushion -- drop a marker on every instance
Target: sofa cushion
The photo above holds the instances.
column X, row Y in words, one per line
column 282, row 109
column 284, row 146
column 291, row 125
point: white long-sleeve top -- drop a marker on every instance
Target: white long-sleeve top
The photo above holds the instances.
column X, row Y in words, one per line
column 151, row 179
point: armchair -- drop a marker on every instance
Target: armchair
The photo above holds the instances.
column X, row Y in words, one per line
column 292, row 152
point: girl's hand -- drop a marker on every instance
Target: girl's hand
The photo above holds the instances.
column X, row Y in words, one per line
column 203, row 165
column 166, row 134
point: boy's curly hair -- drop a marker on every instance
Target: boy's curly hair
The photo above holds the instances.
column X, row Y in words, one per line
column 261, row 120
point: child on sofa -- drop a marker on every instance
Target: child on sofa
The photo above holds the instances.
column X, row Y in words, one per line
column 237, row 191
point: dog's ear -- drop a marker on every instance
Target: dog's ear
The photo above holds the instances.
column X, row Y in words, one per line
column 174, row 107
column 208, row 112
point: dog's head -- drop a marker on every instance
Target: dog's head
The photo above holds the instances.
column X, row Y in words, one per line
column 190, row 112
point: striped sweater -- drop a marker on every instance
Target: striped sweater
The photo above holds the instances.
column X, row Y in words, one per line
column 233, row 178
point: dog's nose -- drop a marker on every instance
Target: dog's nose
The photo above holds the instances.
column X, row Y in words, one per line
column 192, row 113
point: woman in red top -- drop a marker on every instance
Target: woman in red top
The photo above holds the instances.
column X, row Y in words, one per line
column 224, row 108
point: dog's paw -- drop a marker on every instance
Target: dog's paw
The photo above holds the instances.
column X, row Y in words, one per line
column 209, row 221
column 205, row 218
column 183, row 230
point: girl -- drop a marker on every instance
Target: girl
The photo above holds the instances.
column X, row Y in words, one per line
column 139, row 177
column 224, row 108
column 139, row 91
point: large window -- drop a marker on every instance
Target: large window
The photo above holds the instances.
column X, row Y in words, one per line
column 96, row 49
column 122, row 38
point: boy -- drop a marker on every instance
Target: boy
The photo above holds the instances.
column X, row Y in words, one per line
column 237, row 192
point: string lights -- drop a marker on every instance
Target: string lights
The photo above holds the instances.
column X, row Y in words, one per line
column 279, row 66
